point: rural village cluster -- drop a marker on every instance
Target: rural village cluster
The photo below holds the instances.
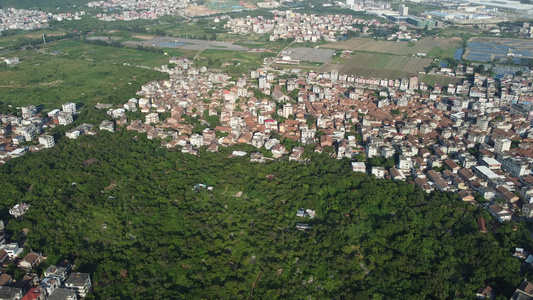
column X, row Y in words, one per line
column 473, row 137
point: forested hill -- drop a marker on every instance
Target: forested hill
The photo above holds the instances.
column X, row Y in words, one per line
column 134, row 221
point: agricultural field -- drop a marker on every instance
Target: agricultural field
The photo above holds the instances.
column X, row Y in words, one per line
column 9, row 39
column 381, row 65
column 78, row 49
column 43, row 79
column 234, row 62
column 425, row 45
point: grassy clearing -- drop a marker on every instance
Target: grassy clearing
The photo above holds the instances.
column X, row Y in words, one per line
column 77, row 49
column 235, row 63
column 5, row 41
column 443, row 80
column 424, row 45
column 378, row 65
column 50, row 81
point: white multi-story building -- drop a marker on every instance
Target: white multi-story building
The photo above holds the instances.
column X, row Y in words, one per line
column 502, row 145
column 359, row 167
column 65, row 118
column 197, row 140
column 517, row 167
column 69, row 107
column 287, row 110
column 29, row 132
column 80, row 283
column 152, row 118
column 73, row 134
column 403, row 10
column 107, row 125
column 28, row 111
column 47, row 141
column 379, row 172
column 404, row 163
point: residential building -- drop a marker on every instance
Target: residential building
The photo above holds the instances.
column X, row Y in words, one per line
column 59, row 272
column 65, row 118
column 107, row 125
column 10, row 293
column 502, row 145
column 524, row 291
column 72, row 134
column 527, row 210
column 485, row 293
column 359, row 167
column 379, row 172
column 69, row 107
column 516, row 167
column 152, row 118
column 28, row 111
column 29, row 132
column 62, row 294
column 30, row 261
column 80, row 283
column 47, row 141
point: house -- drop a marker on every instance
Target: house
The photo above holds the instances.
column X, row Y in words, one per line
column 63, row 294
column 279, row 96
column 35, row 293
column 520, row 253
column 58, row 272
column 27, row 282
column 527, row 210
column 396, row 174
column 30, row 261
column 238, row 153
column 10, row 293
column 49, row 284
column 481, row 225
column 359, row 167
column 302, row 226
column 152, row 118
column 80, row 283
column 13, row 249
column 19, row 209
column 257, row 157
column 499, row 212
column 466, row 196
column 524, row 291
column 90, row 161
column 379, row 172
column 296, row 154
column 65, row 118
column 3, row 254
column 12, row 61
column 107, row 125
column 485, row 293
column 300, row 213
column 47, row 141
column 5, row 279
column 72, row 134
column 69, row 107
column 213, row 147
column 278, row 151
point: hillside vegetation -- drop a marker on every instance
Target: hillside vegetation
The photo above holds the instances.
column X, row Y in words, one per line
column 134, row 221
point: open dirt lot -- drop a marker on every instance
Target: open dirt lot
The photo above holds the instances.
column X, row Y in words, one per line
column 310, row 54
